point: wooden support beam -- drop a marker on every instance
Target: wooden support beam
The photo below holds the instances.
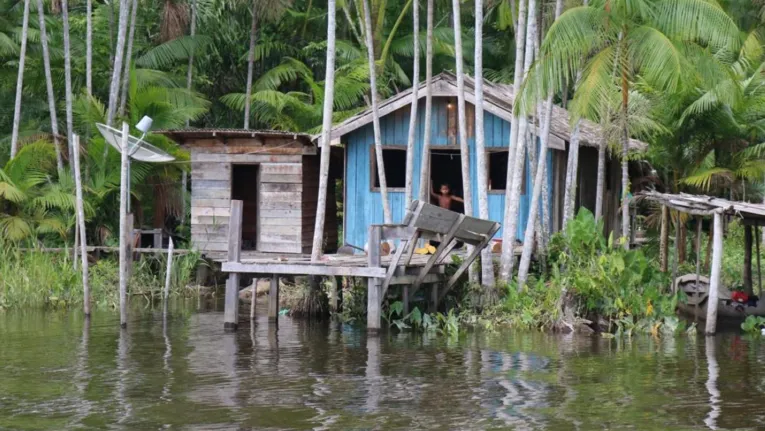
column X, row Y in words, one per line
column 231, row 310
column 759, row 268
column 334, row 300
column 273, row 298
column 302, row 269
column 253, row 299
column 374, row 285
column 699, row 222
column 664, row 239
column 469, row 261
column 714, row 282
column 747, row 275
column 437, row 255
column 405, row 299
column 434, row 298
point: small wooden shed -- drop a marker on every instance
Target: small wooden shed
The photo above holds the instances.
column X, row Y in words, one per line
column 276, row 176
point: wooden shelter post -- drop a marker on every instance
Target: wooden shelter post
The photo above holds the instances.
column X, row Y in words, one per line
column 714, row 282
column 231, row 310
column 664, row 238
column 759, row 268
column 699, row 222
column 273, row 298
column 374, row 285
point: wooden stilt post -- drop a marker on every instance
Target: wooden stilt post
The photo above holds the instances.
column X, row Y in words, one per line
column 714, row 282
column 676, row 252
column 699, row 222
column 253, row 298
column 405, row 297
column 169, row 272
column 434, row 298
column 664, row 238
column 130, row 238
column 759, row 268
column 81, row 226
column 231, row 310
column 273, row 298
column 124, row 226
column 333, row 299
column 374, row 285
column 747, row 276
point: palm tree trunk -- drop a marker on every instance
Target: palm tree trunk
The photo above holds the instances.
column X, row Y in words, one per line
column 487, row 264
column 625, row 162
column 128, row 58
column 413, row 107
column 49, row 86
column 506, row 260
column 81, row 225
column 307, row 18
column 375, row 115
column 329, row 95
column 20, row 82
column 89, row 48
column 192, row 33
column 528, row 241
column 351, row 24
column 67, row 76
column 516, row 172
column 250, row 65
column 601, row 183
column 425, row 160
column 119, row 51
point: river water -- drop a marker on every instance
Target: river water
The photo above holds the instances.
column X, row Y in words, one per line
column 184, row 372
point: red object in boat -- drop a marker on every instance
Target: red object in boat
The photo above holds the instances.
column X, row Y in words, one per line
column 739, row 297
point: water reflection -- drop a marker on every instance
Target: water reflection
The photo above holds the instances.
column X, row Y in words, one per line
column 178, row 369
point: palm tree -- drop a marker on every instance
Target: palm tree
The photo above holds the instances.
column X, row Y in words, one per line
column 192, row 33
column 425, row 159
column 506, row 260
column 539, row 180
column 413, row 107
column 67, row 76
column 375, row 115
column 518, row 156
column 329, row 90
column 89, row 47
column 487, row 264
column 464, row 149
column 128, row 56
column 49, row 86
column 114, row 88
column 639, row 41
column 20, row 81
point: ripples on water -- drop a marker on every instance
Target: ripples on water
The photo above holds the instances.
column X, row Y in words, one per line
column 185, row 373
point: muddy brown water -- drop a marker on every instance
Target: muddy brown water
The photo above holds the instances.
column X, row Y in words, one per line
column 184, row 372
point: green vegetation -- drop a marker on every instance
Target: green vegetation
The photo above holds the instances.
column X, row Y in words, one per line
column 34, row 279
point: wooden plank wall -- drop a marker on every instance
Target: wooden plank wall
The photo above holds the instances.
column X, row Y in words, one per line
column 281, row 222
column 211, row 161
column 308, row 206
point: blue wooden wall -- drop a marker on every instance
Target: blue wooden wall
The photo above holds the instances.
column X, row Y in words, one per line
column 364, row 206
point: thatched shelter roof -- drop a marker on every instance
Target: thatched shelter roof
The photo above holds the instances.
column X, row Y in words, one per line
column 498, row 100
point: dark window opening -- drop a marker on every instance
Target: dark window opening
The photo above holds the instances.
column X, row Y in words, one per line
column 394, row 160
column 446, row 168
column 244, row 188
column 498, row 165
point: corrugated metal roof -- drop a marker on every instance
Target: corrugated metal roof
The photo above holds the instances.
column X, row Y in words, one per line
column 181, row 134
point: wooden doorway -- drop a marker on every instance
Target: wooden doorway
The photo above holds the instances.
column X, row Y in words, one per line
column 244, row 187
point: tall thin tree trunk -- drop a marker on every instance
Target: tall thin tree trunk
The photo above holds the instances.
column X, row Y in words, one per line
column 119, row 52
column 192, row 33
column 539, row 180
column 601, row 183
column 506, row 260
column 487, row 264
column 250, row 65
column 413, row 107
column 68, row 77
column 307, row 18
column 128, row 58
column 89, row 47
column 375, row 114
column 516, row 171
column 329, row 95
column 467, row 191
column 49, row 86
column 124, row 196
column 81, row 225
column 425, row 160
column 625, row 162
column 20, row 82
column 572, row 166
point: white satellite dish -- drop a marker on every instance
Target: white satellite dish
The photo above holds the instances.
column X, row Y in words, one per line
column 138, row 149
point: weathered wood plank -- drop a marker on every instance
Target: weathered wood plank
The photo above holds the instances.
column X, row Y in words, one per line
column 280, row 178
column 209, row 220
column 270, row 205
column 280, row 187
column 208, row 211
column 222, row 174
column 286, row 221
column 211, row 184
column 245, row 150
column 202, row 193
column 280, row 196
column 296, row 269
column 273, row 298
column 199, row 156
column 271, row 247
column 210, row 203
column 210, row 246
column 281, row 168
column 280, row 213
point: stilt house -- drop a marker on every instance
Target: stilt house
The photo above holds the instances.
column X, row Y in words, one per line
column 361, row 194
